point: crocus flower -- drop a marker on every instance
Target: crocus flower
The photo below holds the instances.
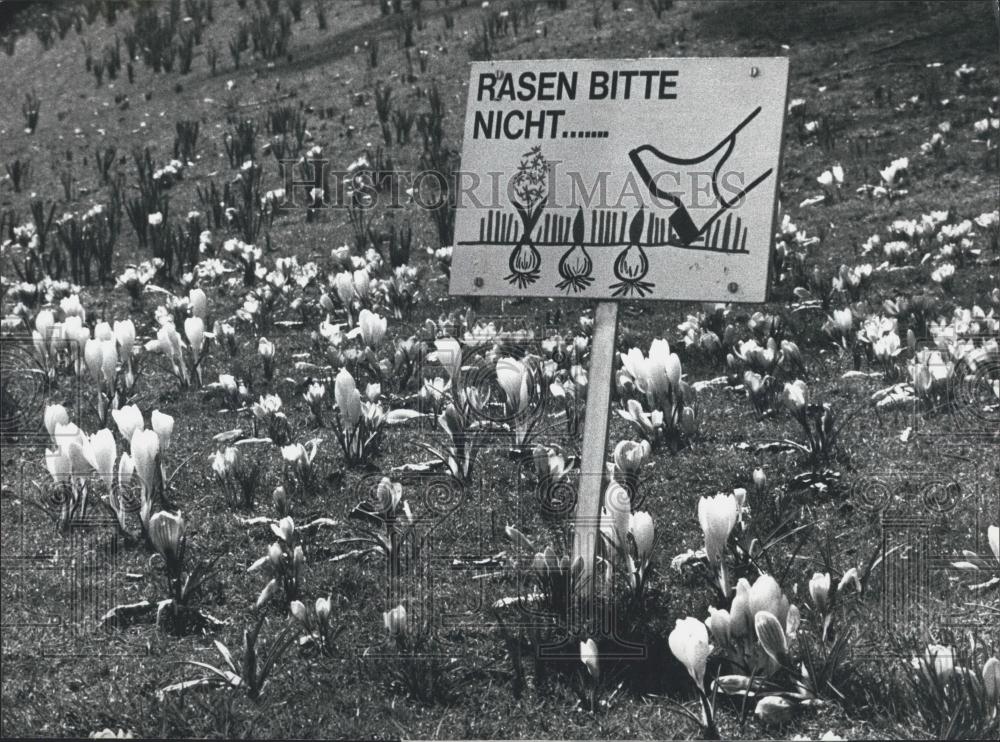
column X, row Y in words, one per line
column 323, row 608
column 166, row 533
column 198, row 301
column 819, row 591
column 55, row 414
column 145, row 448
column 766, row 595
column 105, row 451
column 163, row 425
column 771, row 635
column 372, row 327
column 588, row 656
column 395, row 621
column 194, row 331
column 629, row 456
column 774, row 710
column 717, row 516
column 389, row 494
column 448, row 353
column 640, row 525
column 513, row 377
column 348, row 399
column 298, row 611
column 128, row 419
column 991, row 680
column 124, row 331
column 689, row 644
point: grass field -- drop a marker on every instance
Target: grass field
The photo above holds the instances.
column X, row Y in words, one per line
column 905, row 491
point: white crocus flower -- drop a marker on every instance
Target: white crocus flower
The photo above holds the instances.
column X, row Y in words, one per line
column 128, row 419
column 104, row 452
column 124, row 331
column 55, row 414
column 194, row 331
column 395, row 621
column 348, row 399
column 145, row 448
column 198, row 301
column 689, row 644
column 589, row 657
column 163, row 426
column 372, row 327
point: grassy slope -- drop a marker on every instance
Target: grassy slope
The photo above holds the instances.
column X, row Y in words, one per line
column 348, row 697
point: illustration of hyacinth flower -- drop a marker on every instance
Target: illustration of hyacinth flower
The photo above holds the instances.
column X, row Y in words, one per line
column 632, row 264
column 575, row 266
column 531, row 191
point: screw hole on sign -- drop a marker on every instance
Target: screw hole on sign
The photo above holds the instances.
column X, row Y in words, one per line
column 754, row 72
column 733, row 287
column 479, row 282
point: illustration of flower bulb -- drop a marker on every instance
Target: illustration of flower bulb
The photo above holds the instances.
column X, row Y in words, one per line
column 632, row 265
column 575, row 266
column 531, row 193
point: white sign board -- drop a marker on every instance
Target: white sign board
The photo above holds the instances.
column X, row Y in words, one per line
column 620, row 179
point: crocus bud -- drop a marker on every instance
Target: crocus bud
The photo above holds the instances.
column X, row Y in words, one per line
column 323, row 609
column 640, row 525
column 194, row 331
column 274, row 554
column 55, row 414
column 128, row 419
column 298, row 611
column 795, row 396
column 44, row 323
column 109, row 362
column 991, row 680
column 145, row 448
column 588, row 656
column 849, row 579
column 92, row 357
column 163, row 426
column 102, row 443
column 771, row 636
column 166, row 533
column 267, row 593
column 819, row 591
column 348, row 399
column 198, row 301
column 689, row 643
column 395, row 621
column 389, row 494
column 759, row 480
column 740, row 494
column 717, row 516
column 126, row 468
column 285, row 529
column 125, row 335
column 372, row 326
column 774, row 710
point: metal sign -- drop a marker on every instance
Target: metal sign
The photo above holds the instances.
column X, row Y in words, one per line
column 620, row 179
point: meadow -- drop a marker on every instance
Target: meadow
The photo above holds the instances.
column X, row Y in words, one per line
column 263, row 476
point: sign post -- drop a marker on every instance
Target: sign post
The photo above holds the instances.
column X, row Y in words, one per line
column 641, row 179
